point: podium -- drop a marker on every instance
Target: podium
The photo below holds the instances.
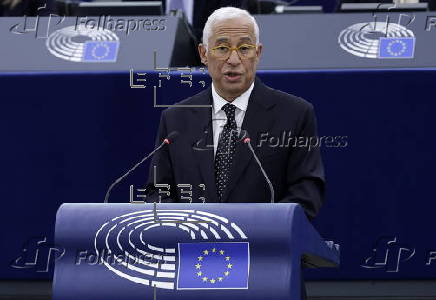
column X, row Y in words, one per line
column 185, row 251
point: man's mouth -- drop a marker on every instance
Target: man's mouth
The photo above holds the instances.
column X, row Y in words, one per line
column 232, row 76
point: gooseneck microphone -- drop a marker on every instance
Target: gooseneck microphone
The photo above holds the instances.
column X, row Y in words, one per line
column 246, row 140
column 166, row 141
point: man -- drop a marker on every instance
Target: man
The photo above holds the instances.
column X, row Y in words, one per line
column 208, row 162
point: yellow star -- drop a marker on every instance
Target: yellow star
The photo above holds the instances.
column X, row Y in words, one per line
column 222, row 252
column 197, row 266
column 212, row 281
column 229, row 266
column 226, row 273
column 204, row 279
column 205, row 252
column 220, row 279
column 214, row 250
column 200, row 258
column 227, row 258
column 199, row 273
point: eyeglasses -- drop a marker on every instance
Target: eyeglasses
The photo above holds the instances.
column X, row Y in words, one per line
column 245, row 51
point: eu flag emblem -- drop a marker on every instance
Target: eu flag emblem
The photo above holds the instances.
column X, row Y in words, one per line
column 213, row 266
column 100, row 51
column 401, row 47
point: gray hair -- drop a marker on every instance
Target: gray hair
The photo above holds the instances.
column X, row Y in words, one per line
column 226, row 13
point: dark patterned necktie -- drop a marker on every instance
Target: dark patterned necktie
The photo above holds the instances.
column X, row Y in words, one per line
column 225, row 150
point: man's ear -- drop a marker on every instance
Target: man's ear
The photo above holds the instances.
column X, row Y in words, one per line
column 202, row 53
column 259, row 51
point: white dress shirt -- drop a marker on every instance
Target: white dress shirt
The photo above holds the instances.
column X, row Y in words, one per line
column 219, row 118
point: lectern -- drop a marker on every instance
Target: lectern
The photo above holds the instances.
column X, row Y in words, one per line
column 185, row 251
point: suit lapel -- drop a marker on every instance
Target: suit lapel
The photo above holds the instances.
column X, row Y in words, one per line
column 257, row 119
column 203, row 145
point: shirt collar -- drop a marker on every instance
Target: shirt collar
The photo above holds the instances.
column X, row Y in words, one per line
column 240, row 102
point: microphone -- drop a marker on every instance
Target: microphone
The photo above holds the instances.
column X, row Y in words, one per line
column 166, row 141
column 246, row 140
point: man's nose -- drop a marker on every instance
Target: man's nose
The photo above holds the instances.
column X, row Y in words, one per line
column 234, row 58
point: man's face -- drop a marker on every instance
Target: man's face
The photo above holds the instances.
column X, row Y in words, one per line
column 231, row 76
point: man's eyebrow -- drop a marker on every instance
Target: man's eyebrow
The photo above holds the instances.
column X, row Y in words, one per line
column 245, row 39
column 226, row 40
column 221, row 40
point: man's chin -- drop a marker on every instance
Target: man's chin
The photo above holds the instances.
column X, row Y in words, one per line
column 234, row 92
column 233, row 85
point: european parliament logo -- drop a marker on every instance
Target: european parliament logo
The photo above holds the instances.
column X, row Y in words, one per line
column 66, row 43
column 378, row 40
column 214, row 254
column 213, row 266
column 397, row 47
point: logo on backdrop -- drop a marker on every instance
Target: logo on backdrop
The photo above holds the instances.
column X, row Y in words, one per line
column 378, row 40
column 388, row 254
column 217, row 258
column 82, row 44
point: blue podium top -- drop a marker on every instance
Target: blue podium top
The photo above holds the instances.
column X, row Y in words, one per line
column 185, row 251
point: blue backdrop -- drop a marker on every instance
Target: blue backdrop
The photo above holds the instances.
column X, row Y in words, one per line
column 66, row 137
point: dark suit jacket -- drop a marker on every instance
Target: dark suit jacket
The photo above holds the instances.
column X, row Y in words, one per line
column 297, row 174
